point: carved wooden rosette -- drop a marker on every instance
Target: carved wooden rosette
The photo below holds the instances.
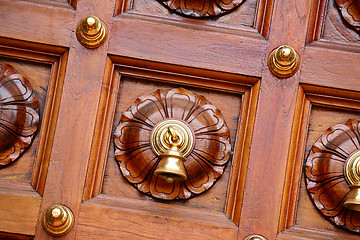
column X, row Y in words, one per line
column 350, row 10
column 204, row 165
column 201, row 8
column 19, row 117
column 325, row 178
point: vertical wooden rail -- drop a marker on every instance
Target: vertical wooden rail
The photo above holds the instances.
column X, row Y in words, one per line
column 76, row 120
column 268, row 159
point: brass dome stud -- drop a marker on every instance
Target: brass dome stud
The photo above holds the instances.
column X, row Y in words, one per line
column 283, row 61
column 57, row 220
column 91, row 32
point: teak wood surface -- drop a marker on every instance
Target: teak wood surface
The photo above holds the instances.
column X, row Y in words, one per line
column 83, row 92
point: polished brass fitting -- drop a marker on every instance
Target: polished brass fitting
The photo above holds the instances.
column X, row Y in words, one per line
column 58, row 220
column 283, row 61
column 91, row 32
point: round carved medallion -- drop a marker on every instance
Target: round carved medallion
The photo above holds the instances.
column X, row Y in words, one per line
column 190, row 115
column 327, row 177
column 19, row 117
column 201, row 8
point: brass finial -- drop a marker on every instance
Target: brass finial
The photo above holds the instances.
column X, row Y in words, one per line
column 91, row 32
column 283, row 61
column 58, row 220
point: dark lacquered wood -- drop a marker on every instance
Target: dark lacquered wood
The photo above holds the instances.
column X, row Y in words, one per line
column 205, row 163
column 19, row 114
column 325, row 176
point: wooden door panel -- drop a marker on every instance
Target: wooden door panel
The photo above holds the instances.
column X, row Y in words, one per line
column 116, row 185
column 318, row 108
column 217, row 205
column 273, row 124
column 57, row 21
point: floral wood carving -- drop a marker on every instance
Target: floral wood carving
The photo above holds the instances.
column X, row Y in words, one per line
column 325, row 178
column 201, row 8
column 19, row 117
column 350, row 10
column 203, row 165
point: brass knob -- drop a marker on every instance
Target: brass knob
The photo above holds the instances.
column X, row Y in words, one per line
column 91, row 32
column 255, row 237
column 283, row 61
column 58, row 220
column 352, row 175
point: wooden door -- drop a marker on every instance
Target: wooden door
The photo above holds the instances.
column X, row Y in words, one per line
column 83, row 92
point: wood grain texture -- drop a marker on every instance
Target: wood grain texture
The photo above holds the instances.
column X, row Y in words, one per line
column 263, row 16
column 302, row 233
column 107, row 217
column 21, row 218
column 241, row 154
column 322, row 59
column 273, row 126
column 295, row 161
column 19, row 117
column 139, row 38
column 55, row 28
column 49, row 119
column 82, row 84
column 206, row 161
column 317, row 20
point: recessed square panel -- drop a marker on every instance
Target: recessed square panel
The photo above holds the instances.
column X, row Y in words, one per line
column 130, row 89
column 38, row 75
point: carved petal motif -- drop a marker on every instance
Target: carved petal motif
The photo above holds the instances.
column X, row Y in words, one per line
column 350, row 10
column 19, row 116
column 204, row 165
column 325, row 179
column 201, row 8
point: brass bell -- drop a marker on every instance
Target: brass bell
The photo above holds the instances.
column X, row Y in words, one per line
column 171, row 167
column 353, row 201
